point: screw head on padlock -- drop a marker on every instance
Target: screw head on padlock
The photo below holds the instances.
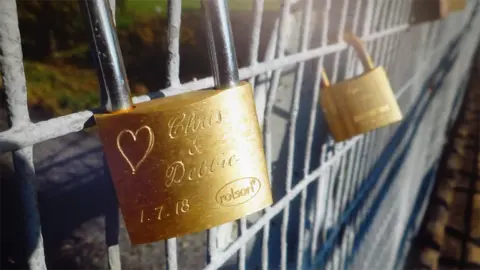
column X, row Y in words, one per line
column 362, row 103
column 429, row 10
column 193, row 161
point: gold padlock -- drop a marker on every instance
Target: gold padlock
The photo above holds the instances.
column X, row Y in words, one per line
column 360, row 104
column 457, row 5
column 429, row 10
column 188, row 162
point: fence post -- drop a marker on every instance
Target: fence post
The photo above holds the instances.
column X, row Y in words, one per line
column 11, row 67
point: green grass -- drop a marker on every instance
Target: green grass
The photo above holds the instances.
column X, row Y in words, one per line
column 61, row 90
column 150, row 7
column 145, row 9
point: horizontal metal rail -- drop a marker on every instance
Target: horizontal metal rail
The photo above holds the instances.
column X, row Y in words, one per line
column 287, row 89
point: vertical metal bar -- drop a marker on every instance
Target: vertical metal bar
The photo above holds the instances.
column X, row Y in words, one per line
column 319, row 205
column 376, row 15
column 394, row 44
column 343, row 20
column 386, row 16
column 368, row 18
column 349, row 177
column 253, row 60
column 326, row 22
column 344, row 200
column 340, row 190
column 383, row 15
column 340, row 250
column 271, row 97
column 242, row 256
column 402, row 7
column 261, row 91
column 212, row 244
column 372, row 150
column 341, row 30
column 363, row 172
column 114, row 255
column 223, row 57
column 367, row 26
column 382, row 51
column 291, row 131
column 356, row 169
column 376, row 45
column 304, row 43
column 11, row 68
column 404, row 12
column 272, row 93
column 394, row 47
column 112, row 218
column 367, row 21
column 329, row 183
column 174, row 13
column 255, row 36
column 109, row 62
column 223, row 60
column 218, row 34
column 282, row 35
column 322, row 185
column 265, row 238
column 308, row 153
column 353, row 191
column 395, row 74
column 351, row 61
column 431, row 39
column 374, row 50
column 12, row 65
column 256, row 28
column 332, row 202
column 113, row 8
column 269, row 55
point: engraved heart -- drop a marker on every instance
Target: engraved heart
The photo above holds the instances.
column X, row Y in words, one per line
column 151, row 141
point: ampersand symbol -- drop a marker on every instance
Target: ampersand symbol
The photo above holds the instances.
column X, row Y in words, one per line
column 194, row 149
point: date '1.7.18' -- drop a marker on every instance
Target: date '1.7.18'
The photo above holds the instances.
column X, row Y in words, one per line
column 161, row 212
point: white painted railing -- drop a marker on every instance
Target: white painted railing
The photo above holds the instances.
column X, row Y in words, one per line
column 351, row 205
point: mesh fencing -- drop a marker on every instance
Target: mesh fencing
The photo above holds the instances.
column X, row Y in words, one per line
column 349, row 205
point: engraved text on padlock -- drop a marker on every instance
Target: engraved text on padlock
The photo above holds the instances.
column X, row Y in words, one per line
column 186, row 163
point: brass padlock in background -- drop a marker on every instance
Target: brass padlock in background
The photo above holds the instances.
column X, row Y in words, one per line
column 457, row 5
column 359, row 104
column 428, row 10
column 188, row 162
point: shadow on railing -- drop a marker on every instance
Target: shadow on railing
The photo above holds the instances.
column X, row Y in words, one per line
column 19, row 224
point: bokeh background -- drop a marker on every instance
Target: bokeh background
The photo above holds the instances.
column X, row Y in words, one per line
column 58, row 64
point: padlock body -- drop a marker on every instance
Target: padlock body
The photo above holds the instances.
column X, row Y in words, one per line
column 428, row 10
column 186, row 163
column 360, row 104
column 457, row 5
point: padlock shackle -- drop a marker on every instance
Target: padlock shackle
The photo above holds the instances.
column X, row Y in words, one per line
column 367, row 62
column 223, row 58
column 325, row 79
column 357, row 44
column 107, row 55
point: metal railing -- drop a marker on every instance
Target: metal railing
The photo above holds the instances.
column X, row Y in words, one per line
column 350, row 205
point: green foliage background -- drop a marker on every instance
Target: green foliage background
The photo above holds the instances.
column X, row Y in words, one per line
column 58, row 66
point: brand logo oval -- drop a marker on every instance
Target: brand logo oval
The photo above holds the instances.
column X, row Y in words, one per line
column 238, row 191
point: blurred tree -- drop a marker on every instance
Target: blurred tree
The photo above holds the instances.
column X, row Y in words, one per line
column 122, row 5
column 49, row 26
